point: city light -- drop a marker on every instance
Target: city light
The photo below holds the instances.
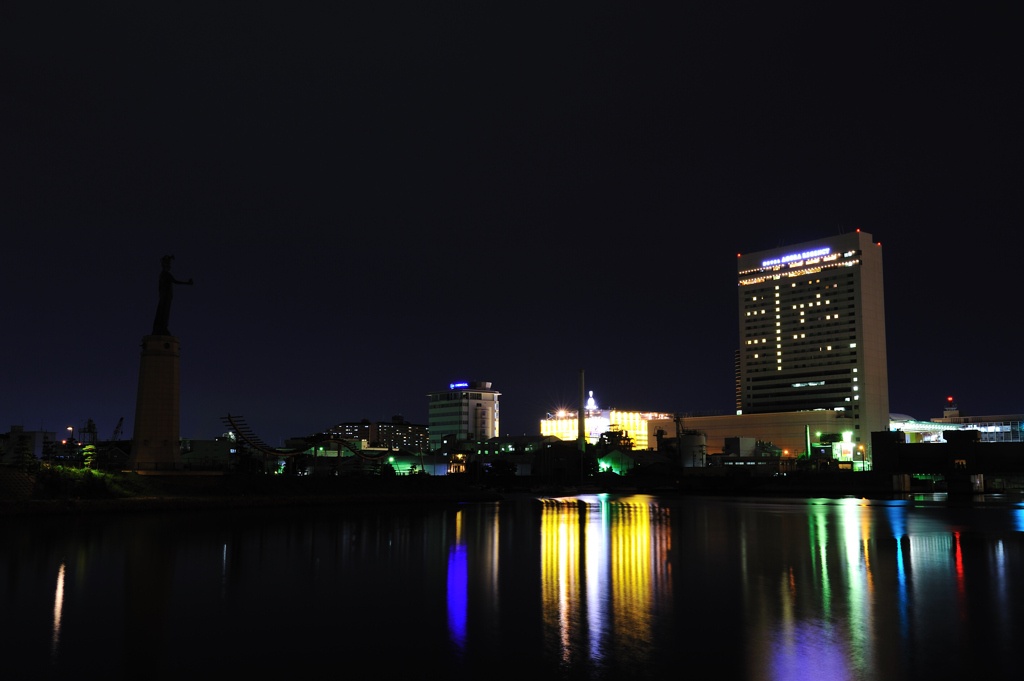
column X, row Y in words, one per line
column 796, row 256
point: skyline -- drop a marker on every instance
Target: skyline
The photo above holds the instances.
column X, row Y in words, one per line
column 375, row 206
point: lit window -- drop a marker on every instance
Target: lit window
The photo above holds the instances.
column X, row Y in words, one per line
column 801, row 306
column 856, row 387
column 779, row 368
column 828, row 316
column 854, row 378
column 779, row 361
column 804, row 335
column 763, row 340
column 794, row 307
column 778, row 316
column 802, row 321
column 828, row 347
column 755, row 355
column 779, row 352
column 827, row 302
column 778, row 345
column 794, row 336
column 817, row 295
column 854, row 371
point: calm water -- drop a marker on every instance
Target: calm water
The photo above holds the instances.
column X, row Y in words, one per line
column 595, row 586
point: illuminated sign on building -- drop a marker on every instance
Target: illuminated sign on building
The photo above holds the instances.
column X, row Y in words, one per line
column 453, row 386
column 795, row 256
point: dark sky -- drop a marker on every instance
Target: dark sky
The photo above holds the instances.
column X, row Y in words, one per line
column 377, row 201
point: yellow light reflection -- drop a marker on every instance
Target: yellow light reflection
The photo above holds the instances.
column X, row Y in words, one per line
column 600, row 574
column 631, row 574
column 560, row 572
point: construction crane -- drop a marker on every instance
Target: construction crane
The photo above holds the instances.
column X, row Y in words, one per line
column 118, row 429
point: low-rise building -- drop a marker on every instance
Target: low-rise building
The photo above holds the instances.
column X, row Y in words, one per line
column 785, row 430
column 994, row 428
column 563, row 423
column 36, row 441
column 394, row 434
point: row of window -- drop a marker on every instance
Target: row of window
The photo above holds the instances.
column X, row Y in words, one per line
column 801, row 273
column 803, row 366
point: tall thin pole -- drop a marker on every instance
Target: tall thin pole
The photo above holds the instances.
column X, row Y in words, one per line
column 581, row 417
column 581, row 420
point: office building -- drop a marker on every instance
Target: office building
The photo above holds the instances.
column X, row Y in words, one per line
column 465, row 412
column 812, row 331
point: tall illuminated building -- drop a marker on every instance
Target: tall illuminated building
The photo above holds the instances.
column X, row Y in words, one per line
column 812, row 331
column 465, row 412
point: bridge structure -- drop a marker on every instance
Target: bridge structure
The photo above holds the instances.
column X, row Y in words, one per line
column 238, row 425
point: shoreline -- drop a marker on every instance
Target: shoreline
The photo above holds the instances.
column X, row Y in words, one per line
column 43, row 507
column 132, row 505
column 126, row 493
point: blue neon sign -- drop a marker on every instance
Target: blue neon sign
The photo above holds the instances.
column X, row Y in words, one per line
column 453, row 386
column 795, row 256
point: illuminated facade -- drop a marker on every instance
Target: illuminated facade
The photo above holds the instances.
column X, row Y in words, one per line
column 467, row 411
column 852, row 453
column 998, row 428
column 812, row 331
column 915, row 431
column 563, row 424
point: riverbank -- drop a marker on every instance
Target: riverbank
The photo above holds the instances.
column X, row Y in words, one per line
column 71, row 491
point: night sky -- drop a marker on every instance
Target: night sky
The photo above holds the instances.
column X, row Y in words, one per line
column 377, row 199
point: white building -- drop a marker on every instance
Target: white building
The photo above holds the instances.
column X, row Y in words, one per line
column 812, row 331
column 467, row 411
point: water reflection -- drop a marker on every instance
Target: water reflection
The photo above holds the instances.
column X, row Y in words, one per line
column 593, row 586
column 603, row 563
column 58, row 608
column 458, row 582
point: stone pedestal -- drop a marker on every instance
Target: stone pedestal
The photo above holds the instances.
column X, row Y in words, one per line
column 156, row 438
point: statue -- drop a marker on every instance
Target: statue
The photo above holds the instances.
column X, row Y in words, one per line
column 163, row 308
